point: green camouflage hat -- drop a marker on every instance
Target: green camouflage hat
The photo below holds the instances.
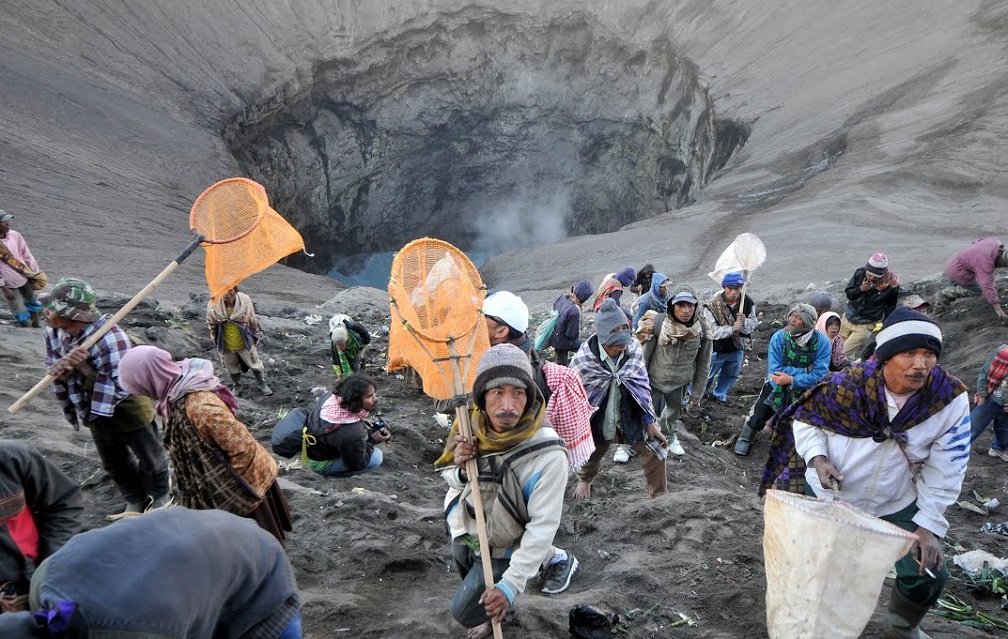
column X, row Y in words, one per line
column 73, row 299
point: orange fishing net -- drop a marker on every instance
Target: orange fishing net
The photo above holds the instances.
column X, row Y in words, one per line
column 437, row 322
column 243, row 234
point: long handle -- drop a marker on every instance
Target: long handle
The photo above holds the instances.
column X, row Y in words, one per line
column 472, row 472
column 115, row 319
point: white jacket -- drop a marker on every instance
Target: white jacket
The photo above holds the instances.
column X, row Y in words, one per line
column 543, row 479
column 878, row 477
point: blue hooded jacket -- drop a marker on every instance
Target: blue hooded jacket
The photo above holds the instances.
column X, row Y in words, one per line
column 652, row 300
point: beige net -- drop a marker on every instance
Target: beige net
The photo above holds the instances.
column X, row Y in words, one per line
column 825, row 564
column 243, row 234
column 437, row 322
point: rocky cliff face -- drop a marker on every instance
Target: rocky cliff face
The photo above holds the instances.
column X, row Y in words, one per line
column 488, row 129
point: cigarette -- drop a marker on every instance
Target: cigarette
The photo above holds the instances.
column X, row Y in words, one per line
column 927, row 570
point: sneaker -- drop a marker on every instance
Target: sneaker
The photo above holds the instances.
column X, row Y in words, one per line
column 675, row 447
column 558, row 576
column 622, row 455
column 1000, row 454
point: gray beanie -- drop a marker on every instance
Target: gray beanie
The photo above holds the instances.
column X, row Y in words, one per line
column 612, row 325
column 806, row 313
column 821, row 300
column 503, row 365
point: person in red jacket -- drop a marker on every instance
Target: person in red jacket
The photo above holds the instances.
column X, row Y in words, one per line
column 40, row 510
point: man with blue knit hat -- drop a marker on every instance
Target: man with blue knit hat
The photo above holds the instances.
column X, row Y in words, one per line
column 893, row 436
column 523, row 504
column 732, row 321
column 612, row 369
column 566, row 336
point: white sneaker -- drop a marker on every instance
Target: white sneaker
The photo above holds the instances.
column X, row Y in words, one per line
column 1000, row 454
column 622, row 455
column 675, row 447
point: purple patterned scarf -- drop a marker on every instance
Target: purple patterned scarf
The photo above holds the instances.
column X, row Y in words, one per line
column 851, row 403
column 596, row 376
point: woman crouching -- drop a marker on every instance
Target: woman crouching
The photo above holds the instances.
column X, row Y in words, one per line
column 340, row 440
column 217, row 463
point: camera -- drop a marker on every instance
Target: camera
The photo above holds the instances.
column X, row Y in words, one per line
column 380, row 426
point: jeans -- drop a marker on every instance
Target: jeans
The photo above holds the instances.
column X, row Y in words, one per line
column 982, row 416
column 337, row 468
column 293, row 630
column 465, row 605
column 136, row 462
column 725, row 367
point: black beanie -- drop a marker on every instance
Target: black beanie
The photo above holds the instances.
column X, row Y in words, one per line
column 904, row 330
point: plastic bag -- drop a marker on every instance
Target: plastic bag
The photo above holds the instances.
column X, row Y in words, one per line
column 588, row 622
column 545, row 331
column 825, row 564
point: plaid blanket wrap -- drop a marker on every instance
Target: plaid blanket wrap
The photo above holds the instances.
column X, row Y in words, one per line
column 596, row 376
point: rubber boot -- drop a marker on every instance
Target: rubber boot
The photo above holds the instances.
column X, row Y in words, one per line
column 744, row 441
column 904, row 616
column 263, row 388
column 236, row 383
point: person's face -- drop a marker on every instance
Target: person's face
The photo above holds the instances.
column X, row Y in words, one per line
column 58, row 322
column 371, row 399
column 732, row 294
column 833, row 329
column 4, row 227
column 907, row 372
column 614, row 350
column 231, row 296
column 795, row 324
column 498, row 332
column 683, row 311
column 505, row 406
column 663, row 289
column 873, row 279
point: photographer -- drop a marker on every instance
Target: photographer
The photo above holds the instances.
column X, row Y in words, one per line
column 872, row 293
column 341, row 441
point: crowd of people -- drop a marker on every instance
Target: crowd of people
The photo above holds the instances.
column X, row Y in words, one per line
column 853, row 402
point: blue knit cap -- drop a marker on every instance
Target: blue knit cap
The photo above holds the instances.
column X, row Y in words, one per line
column 733, row 279
column 583, row 290
column 626, row 276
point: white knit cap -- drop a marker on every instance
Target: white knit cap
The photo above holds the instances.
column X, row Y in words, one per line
column 508, row 308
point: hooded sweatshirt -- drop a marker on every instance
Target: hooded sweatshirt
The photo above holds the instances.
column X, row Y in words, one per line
column 653, row 300
column 684, row 358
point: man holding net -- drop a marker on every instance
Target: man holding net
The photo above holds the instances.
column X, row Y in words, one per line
column 523, row 472
column 891, row 437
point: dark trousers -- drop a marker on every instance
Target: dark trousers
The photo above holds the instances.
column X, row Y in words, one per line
column 136, row 462
column 761, row 412
column 921, row 589
column 465, row 606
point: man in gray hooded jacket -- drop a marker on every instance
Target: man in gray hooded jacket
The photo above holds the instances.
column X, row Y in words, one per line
column 677, row 352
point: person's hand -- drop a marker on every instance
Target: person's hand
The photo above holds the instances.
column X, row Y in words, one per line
column 464, row 451
column 977, row 400
column 74, row 360
column 496, row 604
column 826, row 471
column 739, row 324
column 781, row 379
column 1005, row 409
column 866, row 284
column 1000, row 312
column 927, row 548
column 381, row 435
column 693, row 402
column 653, row 431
